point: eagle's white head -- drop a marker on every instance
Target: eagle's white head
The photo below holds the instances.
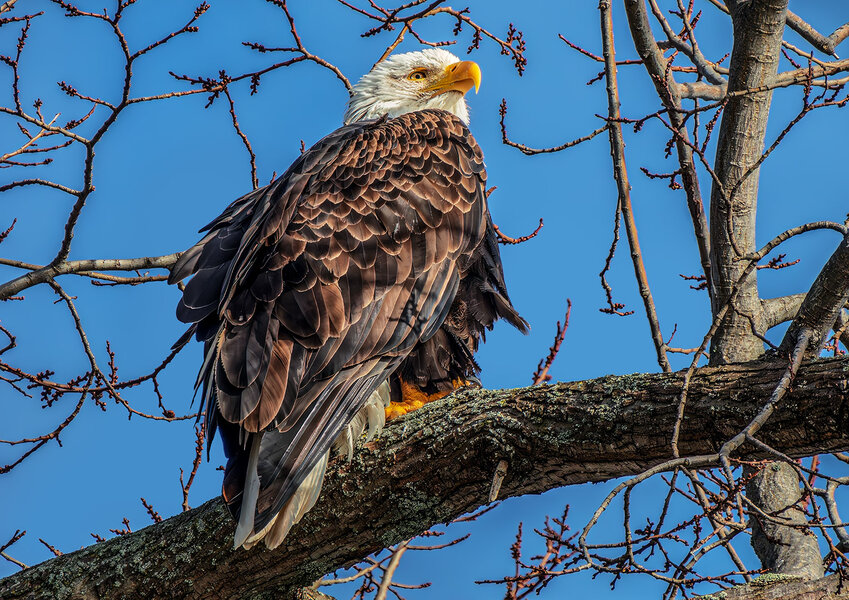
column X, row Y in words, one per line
column 403, row 83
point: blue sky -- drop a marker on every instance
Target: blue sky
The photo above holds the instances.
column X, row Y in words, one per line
column 167, row 168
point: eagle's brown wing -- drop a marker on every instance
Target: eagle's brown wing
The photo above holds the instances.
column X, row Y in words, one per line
column 436, row 365
column 309, row 292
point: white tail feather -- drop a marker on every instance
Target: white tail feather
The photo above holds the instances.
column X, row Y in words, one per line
column 250, row 494
column 301, row 501
column 295, row 508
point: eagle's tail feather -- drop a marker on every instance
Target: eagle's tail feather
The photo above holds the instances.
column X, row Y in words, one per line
column 251, row 493
column 370, row 419
column 293, row 511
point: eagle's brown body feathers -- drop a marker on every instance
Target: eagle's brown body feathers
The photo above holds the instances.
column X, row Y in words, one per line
column 374, row 253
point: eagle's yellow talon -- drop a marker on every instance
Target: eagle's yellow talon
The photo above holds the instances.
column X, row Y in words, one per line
column 413, row 398
column 394, row 410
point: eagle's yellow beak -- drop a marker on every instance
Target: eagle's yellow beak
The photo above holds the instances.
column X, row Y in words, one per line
column 460, row 77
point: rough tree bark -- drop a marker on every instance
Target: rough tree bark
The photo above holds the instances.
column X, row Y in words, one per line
column 785, row 588
column 437, row 464
column 775, row 490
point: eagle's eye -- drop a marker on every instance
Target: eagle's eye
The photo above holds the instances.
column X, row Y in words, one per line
column 417, row 75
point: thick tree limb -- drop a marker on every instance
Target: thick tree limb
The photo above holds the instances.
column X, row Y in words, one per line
column 780, row 310
column 821, row 42
column 758, row 30
column 823, row 303
column 782, row 587
column 437, row 463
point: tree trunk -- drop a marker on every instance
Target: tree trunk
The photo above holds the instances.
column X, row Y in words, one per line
column 782, row 549
column 758, row 27
column 758, row 30
column 437, row 464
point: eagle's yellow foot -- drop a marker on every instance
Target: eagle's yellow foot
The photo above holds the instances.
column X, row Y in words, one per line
column 413, row 398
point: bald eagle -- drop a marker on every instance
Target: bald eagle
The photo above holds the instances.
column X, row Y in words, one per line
column 366, row 274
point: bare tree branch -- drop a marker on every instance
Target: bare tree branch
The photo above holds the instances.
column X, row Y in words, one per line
column 545, row 432
column 79, row 267
column 668, row 91
column 821, row 42
column 620, row 173
column 826, row 44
